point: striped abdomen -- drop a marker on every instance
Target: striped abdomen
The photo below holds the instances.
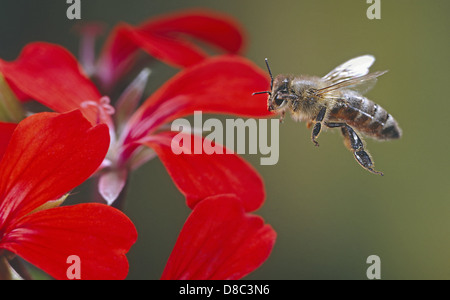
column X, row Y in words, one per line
column 365, row 116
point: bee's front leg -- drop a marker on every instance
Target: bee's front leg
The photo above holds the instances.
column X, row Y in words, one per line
column 318, row 125
column 282, row 114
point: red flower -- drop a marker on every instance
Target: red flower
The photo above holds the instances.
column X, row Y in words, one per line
column 42, row 159
column 168, row 38
column 220, row 241
column 52, row 76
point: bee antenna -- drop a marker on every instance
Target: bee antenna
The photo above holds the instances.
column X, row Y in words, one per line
column 265, row 92
column 270, row 73
column 271, row 81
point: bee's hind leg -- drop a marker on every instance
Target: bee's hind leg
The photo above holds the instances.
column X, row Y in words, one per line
column 356, row 145
column 318, row 125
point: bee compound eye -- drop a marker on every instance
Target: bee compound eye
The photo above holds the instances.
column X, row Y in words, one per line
column 279, row 101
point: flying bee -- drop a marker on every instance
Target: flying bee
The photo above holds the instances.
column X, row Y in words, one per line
column 335, row 101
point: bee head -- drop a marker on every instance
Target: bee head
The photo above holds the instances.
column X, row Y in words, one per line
column 281, row 94
column 279, row 91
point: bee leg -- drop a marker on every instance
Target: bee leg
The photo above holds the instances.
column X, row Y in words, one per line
column 315, row 133
column 282, row 114
column 356, row 145
column 318, row 125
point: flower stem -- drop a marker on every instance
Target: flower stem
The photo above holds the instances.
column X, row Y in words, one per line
column 20, row 268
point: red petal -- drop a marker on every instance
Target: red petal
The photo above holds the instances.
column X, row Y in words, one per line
column 215, row 28
column 48, row 155
column 165, row 47
column 219, row 241
column 168, row 38
column 219, row 85
column 116, row 58
column 98, row 234
column 199, row 176
column 6, row 131
column 51, row 75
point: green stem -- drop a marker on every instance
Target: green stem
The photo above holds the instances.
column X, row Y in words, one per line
column 20, row 268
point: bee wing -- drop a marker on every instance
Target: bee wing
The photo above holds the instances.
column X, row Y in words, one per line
column 355, row 67
column 360, row 84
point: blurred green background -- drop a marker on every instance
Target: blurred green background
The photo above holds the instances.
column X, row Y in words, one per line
column 329, row 213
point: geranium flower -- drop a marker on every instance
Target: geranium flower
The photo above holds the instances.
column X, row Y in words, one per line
column 41, row 159
column 224, row 84
column 219, row 241
column 235, row 243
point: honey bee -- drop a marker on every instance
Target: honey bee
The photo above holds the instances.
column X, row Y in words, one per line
column 335, row 101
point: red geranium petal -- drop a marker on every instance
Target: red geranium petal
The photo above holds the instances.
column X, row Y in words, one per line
column 219, row 241
column 215, row 28
column 98, row 234
column 48, row 155
column 49, row 74
column 168, row 38
column 116, row 57
column 199, row 176
column 218, row 85
column 166, row 47
column 6, row 131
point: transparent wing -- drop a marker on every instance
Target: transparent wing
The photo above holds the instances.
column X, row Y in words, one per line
column 360, row 84
column 355, row 67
